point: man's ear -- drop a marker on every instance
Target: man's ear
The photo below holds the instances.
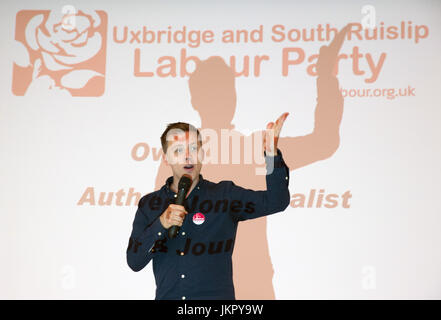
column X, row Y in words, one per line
column 202, row 155
column 164, row 158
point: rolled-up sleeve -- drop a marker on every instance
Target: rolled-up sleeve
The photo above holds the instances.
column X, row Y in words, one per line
column 145, row 233
column 253, row 204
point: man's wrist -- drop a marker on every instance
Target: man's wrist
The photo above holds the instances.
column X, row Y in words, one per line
column 163, row 224
column 271, row 153
column 275, row 161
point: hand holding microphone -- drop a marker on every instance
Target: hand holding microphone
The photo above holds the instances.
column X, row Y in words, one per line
column 173, row 217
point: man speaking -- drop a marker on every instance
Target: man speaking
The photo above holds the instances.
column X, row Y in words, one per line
column 188, row 227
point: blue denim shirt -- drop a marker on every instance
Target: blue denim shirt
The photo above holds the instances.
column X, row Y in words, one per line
column 197, row 264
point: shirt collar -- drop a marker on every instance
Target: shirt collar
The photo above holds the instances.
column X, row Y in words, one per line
column 196, row 189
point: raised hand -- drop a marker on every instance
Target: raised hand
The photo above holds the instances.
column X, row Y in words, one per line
column 271, row 135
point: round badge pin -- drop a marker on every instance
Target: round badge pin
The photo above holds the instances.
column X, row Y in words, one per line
column 198, row 218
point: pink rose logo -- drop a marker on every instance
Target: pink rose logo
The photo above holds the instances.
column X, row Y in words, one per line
column 60, row 52
column 198, row 218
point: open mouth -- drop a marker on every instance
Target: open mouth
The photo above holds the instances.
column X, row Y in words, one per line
column 189, row 167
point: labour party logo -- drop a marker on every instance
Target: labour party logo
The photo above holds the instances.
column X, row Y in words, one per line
column 60, row 52
column 198, row 218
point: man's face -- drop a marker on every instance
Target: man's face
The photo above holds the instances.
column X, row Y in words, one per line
column 184, row 153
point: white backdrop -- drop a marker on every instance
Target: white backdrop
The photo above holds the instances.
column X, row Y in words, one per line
column 386, row 242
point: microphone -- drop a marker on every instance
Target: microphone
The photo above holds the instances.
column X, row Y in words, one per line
column 183, row 187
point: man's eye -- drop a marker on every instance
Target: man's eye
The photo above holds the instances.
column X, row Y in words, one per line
column 179, row 150
column 194, row 148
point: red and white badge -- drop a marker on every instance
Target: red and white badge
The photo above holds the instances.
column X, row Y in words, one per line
column 198, row 218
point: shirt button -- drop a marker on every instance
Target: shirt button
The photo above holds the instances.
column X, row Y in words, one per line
column 182, row 253
column 286, row 178
column 183, row 298
column 198, row 187
column 183, row 233
column 175, row 195
column 182, row 276
column 159, row 233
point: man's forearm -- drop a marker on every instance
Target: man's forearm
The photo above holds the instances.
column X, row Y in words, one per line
column 139, row 250
column 277, row 182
